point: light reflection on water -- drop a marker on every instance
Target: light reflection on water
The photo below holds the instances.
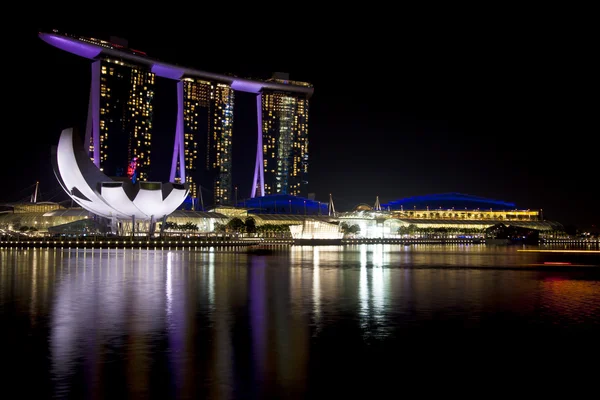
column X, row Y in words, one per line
column 224, row 324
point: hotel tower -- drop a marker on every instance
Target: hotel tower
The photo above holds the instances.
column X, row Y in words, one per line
column 208, row 126
column 119, row 126
column 285, row 139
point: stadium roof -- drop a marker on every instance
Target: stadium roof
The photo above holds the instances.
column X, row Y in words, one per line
column 449, row 201
column 291, row 217
column 284, row 204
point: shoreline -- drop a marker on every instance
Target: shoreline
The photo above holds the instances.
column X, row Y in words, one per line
column 99, row 243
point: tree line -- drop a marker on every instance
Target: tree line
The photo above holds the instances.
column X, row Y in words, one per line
column 237, row 225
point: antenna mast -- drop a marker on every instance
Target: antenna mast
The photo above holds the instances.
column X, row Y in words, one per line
column 377, row 206
column 201, row 200
column 331, row 208
column 37, row 183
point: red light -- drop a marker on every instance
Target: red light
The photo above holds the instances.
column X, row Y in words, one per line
column 556, row 263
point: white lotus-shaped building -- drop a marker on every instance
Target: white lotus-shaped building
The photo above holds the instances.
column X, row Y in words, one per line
column 93, row 190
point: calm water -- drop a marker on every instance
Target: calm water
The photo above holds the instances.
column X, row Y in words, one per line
column 307, row 322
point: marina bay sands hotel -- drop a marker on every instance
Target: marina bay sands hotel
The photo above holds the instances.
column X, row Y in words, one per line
column 119, row 123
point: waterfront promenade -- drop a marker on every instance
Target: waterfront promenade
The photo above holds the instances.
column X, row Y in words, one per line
column 147, row 243
column 228, row 241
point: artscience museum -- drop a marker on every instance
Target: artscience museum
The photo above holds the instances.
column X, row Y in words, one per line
column 117, row 201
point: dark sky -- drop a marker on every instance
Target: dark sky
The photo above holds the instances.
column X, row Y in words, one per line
column 496, row 106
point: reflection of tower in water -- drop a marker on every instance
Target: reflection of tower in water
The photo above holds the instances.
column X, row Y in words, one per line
column 258, row 318
column 175, row 320
column 227, row 289
column 280, row 339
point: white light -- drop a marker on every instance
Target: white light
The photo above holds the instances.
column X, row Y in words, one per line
column 109, row 202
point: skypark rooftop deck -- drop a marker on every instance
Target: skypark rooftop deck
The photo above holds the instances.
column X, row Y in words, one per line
column 92, row 48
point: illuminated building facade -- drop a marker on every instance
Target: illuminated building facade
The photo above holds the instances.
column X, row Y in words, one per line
column 453, row 213
column 208, row 128
column 195, row 113
column 218, row 149
column 111, row 199
column 126, row 93
column 284, row 140
column 120, row 120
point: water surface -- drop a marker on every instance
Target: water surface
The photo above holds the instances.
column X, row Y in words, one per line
column 305, row 322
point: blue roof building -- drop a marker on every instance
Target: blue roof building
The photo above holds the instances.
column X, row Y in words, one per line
column 284, row 204
column 448, row 201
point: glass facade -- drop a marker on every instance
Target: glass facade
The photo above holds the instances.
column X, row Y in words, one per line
column 220, row 140
column 126, row 94
column 196, row 103
column 208, row 124
column 119, row 126
column 285, row 143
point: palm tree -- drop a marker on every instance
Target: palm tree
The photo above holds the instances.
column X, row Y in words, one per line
column 354, row 229
column 235, row 224
column 344, row 227
column 190, row 226
column 250, row 224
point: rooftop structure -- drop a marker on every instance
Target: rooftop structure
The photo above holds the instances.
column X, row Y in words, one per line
column 284, row 204
column 455, row 201
column 121, row 108
column 91, row 48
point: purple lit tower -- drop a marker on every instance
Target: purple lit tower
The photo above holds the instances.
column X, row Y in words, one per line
column 207, row 130
column 283, row 118
column 119, row 125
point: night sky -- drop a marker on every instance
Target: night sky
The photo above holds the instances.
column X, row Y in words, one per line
column 401, row 108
